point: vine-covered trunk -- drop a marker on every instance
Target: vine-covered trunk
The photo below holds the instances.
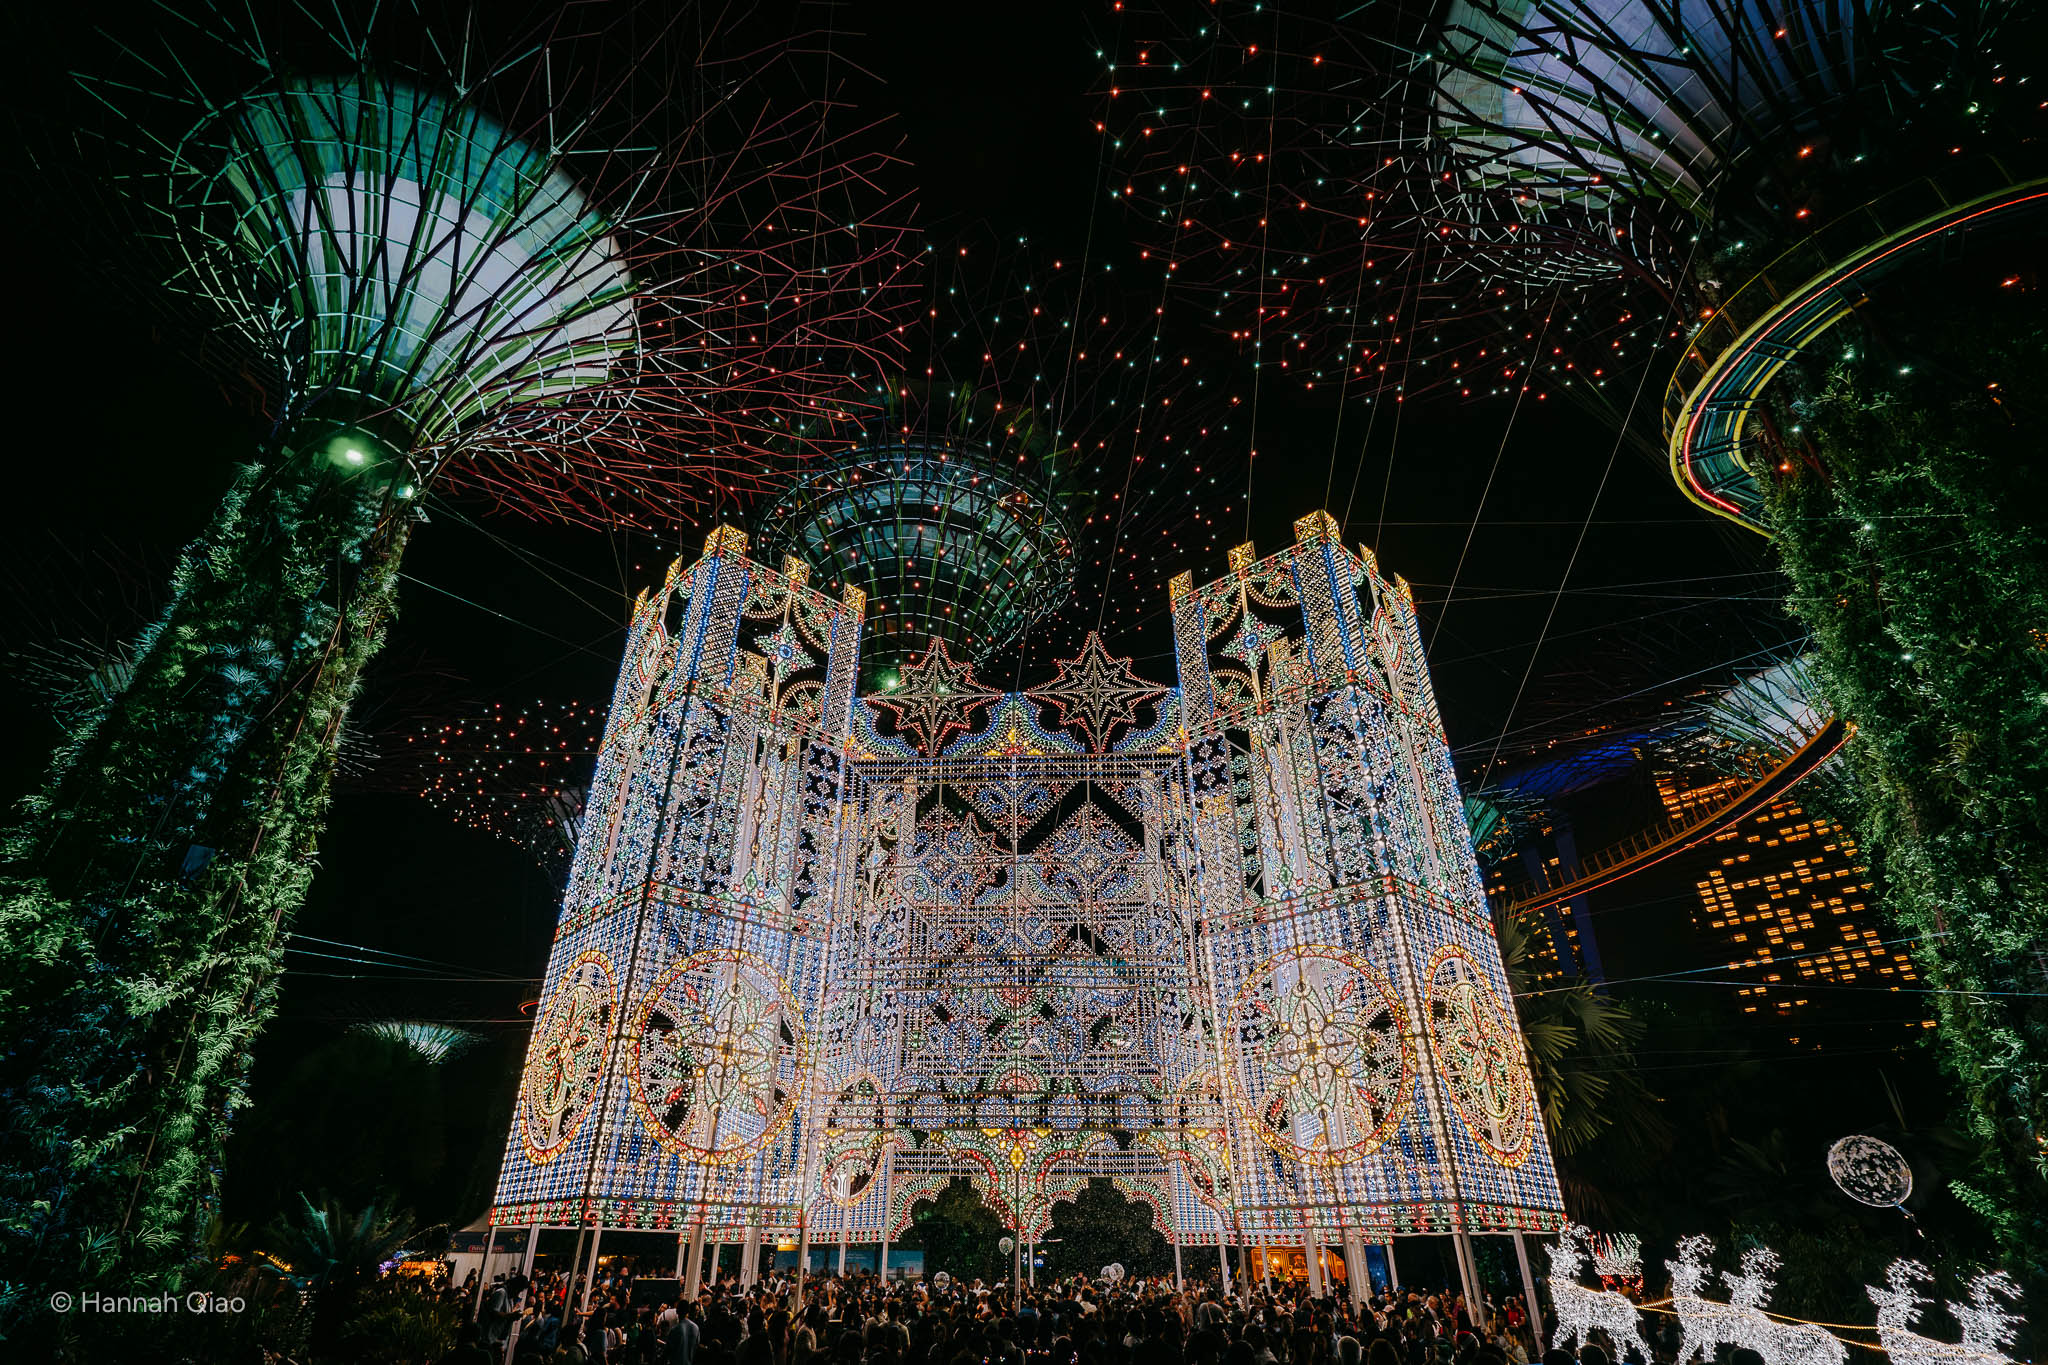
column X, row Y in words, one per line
column 146, row 895
column 1918, row 554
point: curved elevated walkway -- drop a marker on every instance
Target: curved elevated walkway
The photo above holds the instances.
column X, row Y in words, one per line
column 1787, row 306
column 1653, row 845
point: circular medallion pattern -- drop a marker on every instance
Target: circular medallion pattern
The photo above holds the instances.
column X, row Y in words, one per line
column 1324, row 1061
column 566, row 1063
column 1480, row 1057
column 714, row 1054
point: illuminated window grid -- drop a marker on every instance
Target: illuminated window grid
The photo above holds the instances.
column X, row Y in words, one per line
column 1790, row 901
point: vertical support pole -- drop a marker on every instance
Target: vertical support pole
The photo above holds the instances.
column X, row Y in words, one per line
column 483, row 1273
column 1177, row 1285
column 575, row 1266
column 888, row 1211
column 842, row 1253
column 695, row 1282
column 590, row 1275
column 1468, row 1274
column 1223, row 1255
column 1312, row 1257
column 682, row 1253
column 1031, row 1266
column 1529, row 1293
column 1355, row 1273
column 803, row 1260
column 1393, row 1271
column 1016, row 1269
column 717, row 1251
column 750, row 1250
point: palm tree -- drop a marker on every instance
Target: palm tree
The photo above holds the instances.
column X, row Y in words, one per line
column 1581, row 1045
column 339, row 1253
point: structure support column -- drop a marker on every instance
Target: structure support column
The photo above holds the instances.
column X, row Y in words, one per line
column 1177, row 1285
column 483, row 1274
column 1468, row 1275
column 842, row 1253
column 1222, row 1256
column 1529, row 1293
column 1355, row 1273
column 1393, row 1271
column 695, row 1260
column 711, row 1267
column 803, row 1262
column 750, row 1254
column 590, row 1275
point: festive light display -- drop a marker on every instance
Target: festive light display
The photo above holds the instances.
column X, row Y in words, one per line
column 440, row 266
column 1871, row 1171
column 519, row 773
column 1582, row 1311
column 1221, row 942
column 1987, row 1326
column 948, row 539
column 1741, row 1321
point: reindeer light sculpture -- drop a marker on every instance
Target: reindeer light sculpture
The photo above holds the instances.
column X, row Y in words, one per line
column 1987, row 1327
column 1581, row 1311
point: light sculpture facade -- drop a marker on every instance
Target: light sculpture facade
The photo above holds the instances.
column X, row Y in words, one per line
column 1223, row 942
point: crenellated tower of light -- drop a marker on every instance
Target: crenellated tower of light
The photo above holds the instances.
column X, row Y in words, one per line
column 1223, row 942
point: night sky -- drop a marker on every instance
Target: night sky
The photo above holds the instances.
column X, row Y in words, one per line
column 123, row 446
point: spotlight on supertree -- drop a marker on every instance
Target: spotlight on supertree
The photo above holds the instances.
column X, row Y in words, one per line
column 598, row 272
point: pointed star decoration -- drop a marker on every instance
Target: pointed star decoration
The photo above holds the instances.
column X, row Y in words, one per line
column 1096, row 692
column 936, row 699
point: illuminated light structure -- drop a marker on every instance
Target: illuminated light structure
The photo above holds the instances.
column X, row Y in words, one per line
column 1224, row 942
column 436, row 267
column 1487, row 198
column 989, row 490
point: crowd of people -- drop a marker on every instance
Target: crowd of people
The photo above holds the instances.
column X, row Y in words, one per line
column 858, row 1320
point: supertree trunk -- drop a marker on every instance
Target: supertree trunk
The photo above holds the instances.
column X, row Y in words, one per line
column 1918, row 557
column 146, row 896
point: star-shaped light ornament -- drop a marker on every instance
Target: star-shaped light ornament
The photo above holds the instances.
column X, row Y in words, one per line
column 937, row 698
column 1248, row 646
column 1097, row 692
column 785, row 651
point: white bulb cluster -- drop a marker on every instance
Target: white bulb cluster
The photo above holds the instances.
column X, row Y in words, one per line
column 1743, row 1319
column 1987, row 1327
column 1582, row 1311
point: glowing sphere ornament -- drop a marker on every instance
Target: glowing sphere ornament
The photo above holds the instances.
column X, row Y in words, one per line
column 1871, row 1171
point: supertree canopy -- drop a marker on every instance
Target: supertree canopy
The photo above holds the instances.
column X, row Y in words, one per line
column 406, row 255
column 599, row 272
column 948, row 539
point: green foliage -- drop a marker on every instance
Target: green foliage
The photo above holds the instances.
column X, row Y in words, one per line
column 1918, row 559
column 146, row 896
column 399, row 1329
column 1581, row 1055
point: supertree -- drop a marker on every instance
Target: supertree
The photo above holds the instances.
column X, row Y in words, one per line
column 600, row 269
column 1821, row 222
